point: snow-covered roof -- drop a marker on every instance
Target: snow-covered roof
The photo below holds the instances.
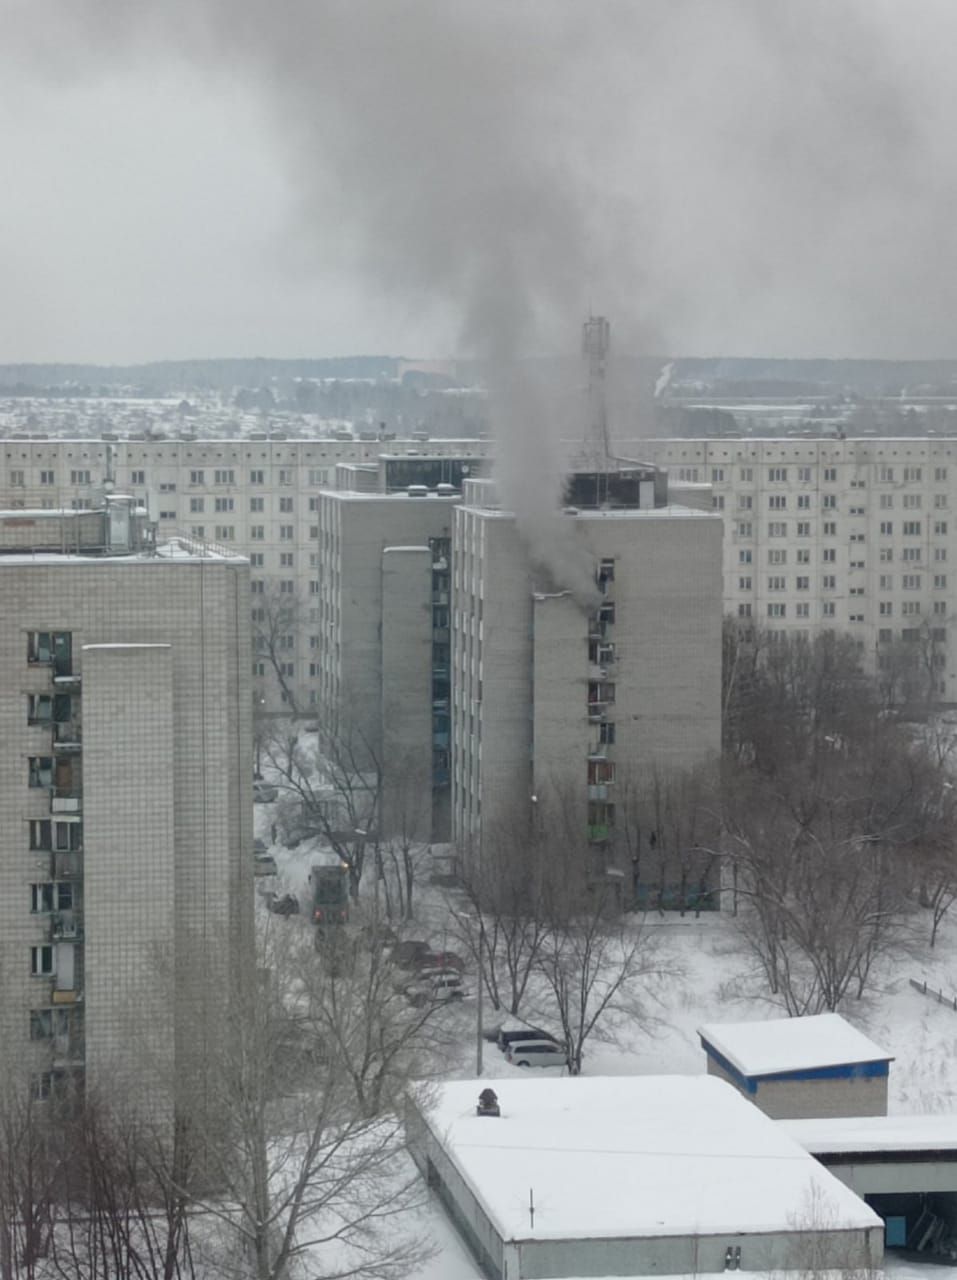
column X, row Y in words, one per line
column 832, row 1136
column 779, row 1045
column 633, row 1156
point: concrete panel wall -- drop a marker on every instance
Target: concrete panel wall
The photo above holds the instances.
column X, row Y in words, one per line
column 807, row 1099
column 129, row 867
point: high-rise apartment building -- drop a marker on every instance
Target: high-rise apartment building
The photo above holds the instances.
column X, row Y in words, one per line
column 577, row 673
column 125, row 806
column 857, row 535
column 256, row 497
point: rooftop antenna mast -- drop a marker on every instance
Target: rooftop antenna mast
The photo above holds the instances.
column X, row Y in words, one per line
column 596, row 339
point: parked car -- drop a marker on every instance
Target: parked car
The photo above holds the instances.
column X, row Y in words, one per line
column 537, row 1053
column 285, row 904
column 406, row 954
column 441, row 986
column 264, row 793
column 440, row 960
column 506, row 1038
column 265, row 865
column 259, row 846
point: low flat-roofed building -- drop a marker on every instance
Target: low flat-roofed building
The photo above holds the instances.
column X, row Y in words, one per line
column 631, row 1176
column 794, row 1068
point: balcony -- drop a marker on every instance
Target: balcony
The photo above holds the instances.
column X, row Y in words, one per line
column 63, row 995
column 66, row 681
column 597, row 711
column 69, row 1049
column 598, row 791
column 66, row 926
column 65, row 800
column 598, row 832
column 67, row 866
column 67, row 738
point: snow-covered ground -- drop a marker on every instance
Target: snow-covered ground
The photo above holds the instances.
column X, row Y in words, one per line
column 704, row 981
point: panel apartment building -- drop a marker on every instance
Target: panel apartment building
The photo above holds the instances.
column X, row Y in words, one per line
column 561, row 695
column 125, row 811
column 859, row 535
column 258, row 497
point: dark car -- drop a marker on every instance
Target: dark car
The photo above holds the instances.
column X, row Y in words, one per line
column 408, row 953
column 286, row 904
column 514, row 1034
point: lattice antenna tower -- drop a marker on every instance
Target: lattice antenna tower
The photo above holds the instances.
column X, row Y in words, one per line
column 596, row 339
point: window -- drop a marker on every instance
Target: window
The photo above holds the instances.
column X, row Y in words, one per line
column 286, row 587
column 804, row 502
column 606, row 734
column 286, row 533
column 829, row 501
column 717, row 475
column 856, row 511
column 688, row 473
column 744, row 584
column 940, row 581
column 829, row 529
column 912, row 475
column 137, row 477
column 778, row 475
column 829, row 555
column 79, row 477
column 777, row 529
column 856, row 591
column 940, row 473
column 804, row 475
column 747, row 474
column 39, row 771
column 886, row 555
column 285, row 475
column 257, row 477
column 197, row 505
column 259, row 668
column 857, row 564
column 286, row 559
column 777, row 583
column 197, row 531
column 197, row 477
column 803, row 528
column 802, row 555
column 912, row 501
column 744, row 557
column 225, row 533
column 940, row 527
column 223, row 505
column 911, row 554
column 777, row 611
column 41, row 1024
column 257, row 586
column 777, row 502
column 257, row 505
column 855, row 617
column 318, row 475
column 858, row 484
column 601, row 691
column 745, row 501
column 911, row 581
column 829, row 582
column 830, row 475
column 313, row 504
column 47, row 477
column 744, row 528
column 168, row 487
column 912, row 528
column 777, row 557
column 167, row 515
column 717, row 502
column 940, row 554
column 802, row 584
column 802, row 610
column 313, row 642
column 285, row 506
column 827, row 609
column 313, row 531
column 224, row 475
column 256, row 559
column 744, row 611
column 940, row 608
column 886, row 502
column 887, row 528
column 885, row 608
column 885, row 582
column 41, row 898
column 257, row 532
column 885, row 475
column 911, row 608
column 41, row 961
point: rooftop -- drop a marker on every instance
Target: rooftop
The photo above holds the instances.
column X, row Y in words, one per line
column 628, row 1156
column 847, row 1134
column 776, row 1046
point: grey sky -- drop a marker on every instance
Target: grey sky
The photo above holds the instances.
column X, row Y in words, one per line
column 228, row 177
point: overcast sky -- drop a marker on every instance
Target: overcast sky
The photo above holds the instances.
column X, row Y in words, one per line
column 321, row 177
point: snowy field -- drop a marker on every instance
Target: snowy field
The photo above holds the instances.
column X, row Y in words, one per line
column 705, row 980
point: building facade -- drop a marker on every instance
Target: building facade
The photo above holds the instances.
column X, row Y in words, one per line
column 571, row 683
column 125, row 809
column 857, row 535
column 256, row 497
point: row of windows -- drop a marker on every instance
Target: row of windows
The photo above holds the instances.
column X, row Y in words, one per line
column 805, row 475
column 256, row 505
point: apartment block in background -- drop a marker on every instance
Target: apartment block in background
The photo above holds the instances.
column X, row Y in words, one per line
column 125, row 805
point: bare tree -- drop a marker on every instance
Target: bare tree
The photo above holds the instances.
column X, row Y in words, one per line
column 32, row 1157
column 276, row 619
column 406, row 828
